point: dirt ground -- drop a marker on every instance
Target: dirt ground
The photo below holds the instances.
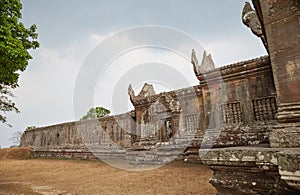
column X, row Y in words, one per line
column 48, row 176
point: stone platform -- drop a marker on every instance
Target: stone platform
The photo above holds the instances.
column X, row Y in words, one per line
column 254, row 169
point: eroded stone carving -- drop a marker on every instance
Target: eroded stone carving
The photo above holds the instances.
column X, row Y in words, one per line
column 264, row 109
column 173, row 104
column 146, row 91
column 251, row 20
column 231, row 113
column 131, row 93
column 195, row 63
column 191, row 122
column 207, row 63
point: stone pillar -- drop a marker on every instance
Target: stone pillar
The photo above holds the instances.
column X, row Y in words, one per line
column 138, row 126
column 175, row 123
column 281, row 22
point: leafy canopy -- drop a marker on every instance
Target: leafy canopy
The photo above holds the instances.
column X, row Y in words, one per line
column 95, row 113
column 15, row 41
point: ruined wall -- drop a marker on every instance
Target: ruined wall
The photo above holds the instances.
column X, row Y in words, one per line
column 61, row 135
column 239, row 103
column 79, row 139
column 167, row 124
column 167, row 117
column 162, row 117
column 233, row 105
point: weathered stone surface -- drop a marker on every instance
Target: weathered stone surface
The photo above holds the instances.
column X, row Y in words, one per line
column 206, row 65
column 82, row 139
column 188, row 118
column 239, row 103
column 289, row 167
column 152, row 129
column 246, row 170
column 251, row 19
column 264, row 170
column 281, row 22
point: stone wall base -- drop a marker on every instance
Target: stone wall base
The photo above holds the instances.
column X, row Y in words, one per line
column 285, row 135
column 253, row 170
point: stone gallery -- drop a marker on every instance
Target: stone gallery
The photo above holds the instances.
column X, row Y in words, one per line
column 242, row 119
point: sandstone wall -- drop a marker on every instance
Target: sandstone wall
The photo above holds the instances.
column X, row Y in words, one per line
column 233, row 105
column 78, row 139
column 281, row 23
column 239, row 103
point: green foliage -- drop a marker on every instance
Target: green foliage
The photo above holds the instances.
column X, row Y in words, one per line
column 30, row 128
column 15, row 41
column 95, row 113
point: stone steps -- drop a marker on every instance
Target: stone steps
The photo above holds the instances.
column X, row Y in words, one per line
column 161, row 154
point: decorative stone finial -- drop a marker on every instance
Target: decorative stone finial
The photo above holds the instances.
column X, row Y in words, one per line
column 250, row 19
column 131, row 93
column 195, row 63
column 207, row 63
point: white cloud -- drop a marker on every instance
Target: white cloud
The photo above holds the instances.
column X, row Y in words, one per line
column 234, row 48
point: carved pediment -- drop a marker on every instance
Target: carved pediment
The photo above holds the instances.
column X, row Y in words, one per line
column 146, row 91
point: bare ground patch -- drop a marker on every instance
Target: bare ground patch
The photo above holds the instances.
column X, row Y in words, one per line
column 48, row 176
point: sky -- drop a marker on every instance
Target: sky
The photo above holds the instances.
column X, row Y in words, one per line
column 99, row 47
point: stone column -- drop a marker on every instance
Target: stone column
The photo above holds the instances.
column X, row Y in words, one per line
column 281, row 20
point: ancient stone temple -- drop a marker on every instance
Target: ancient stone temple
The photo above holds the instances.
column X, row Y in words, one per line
column 272, row 167
column 244, row 118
